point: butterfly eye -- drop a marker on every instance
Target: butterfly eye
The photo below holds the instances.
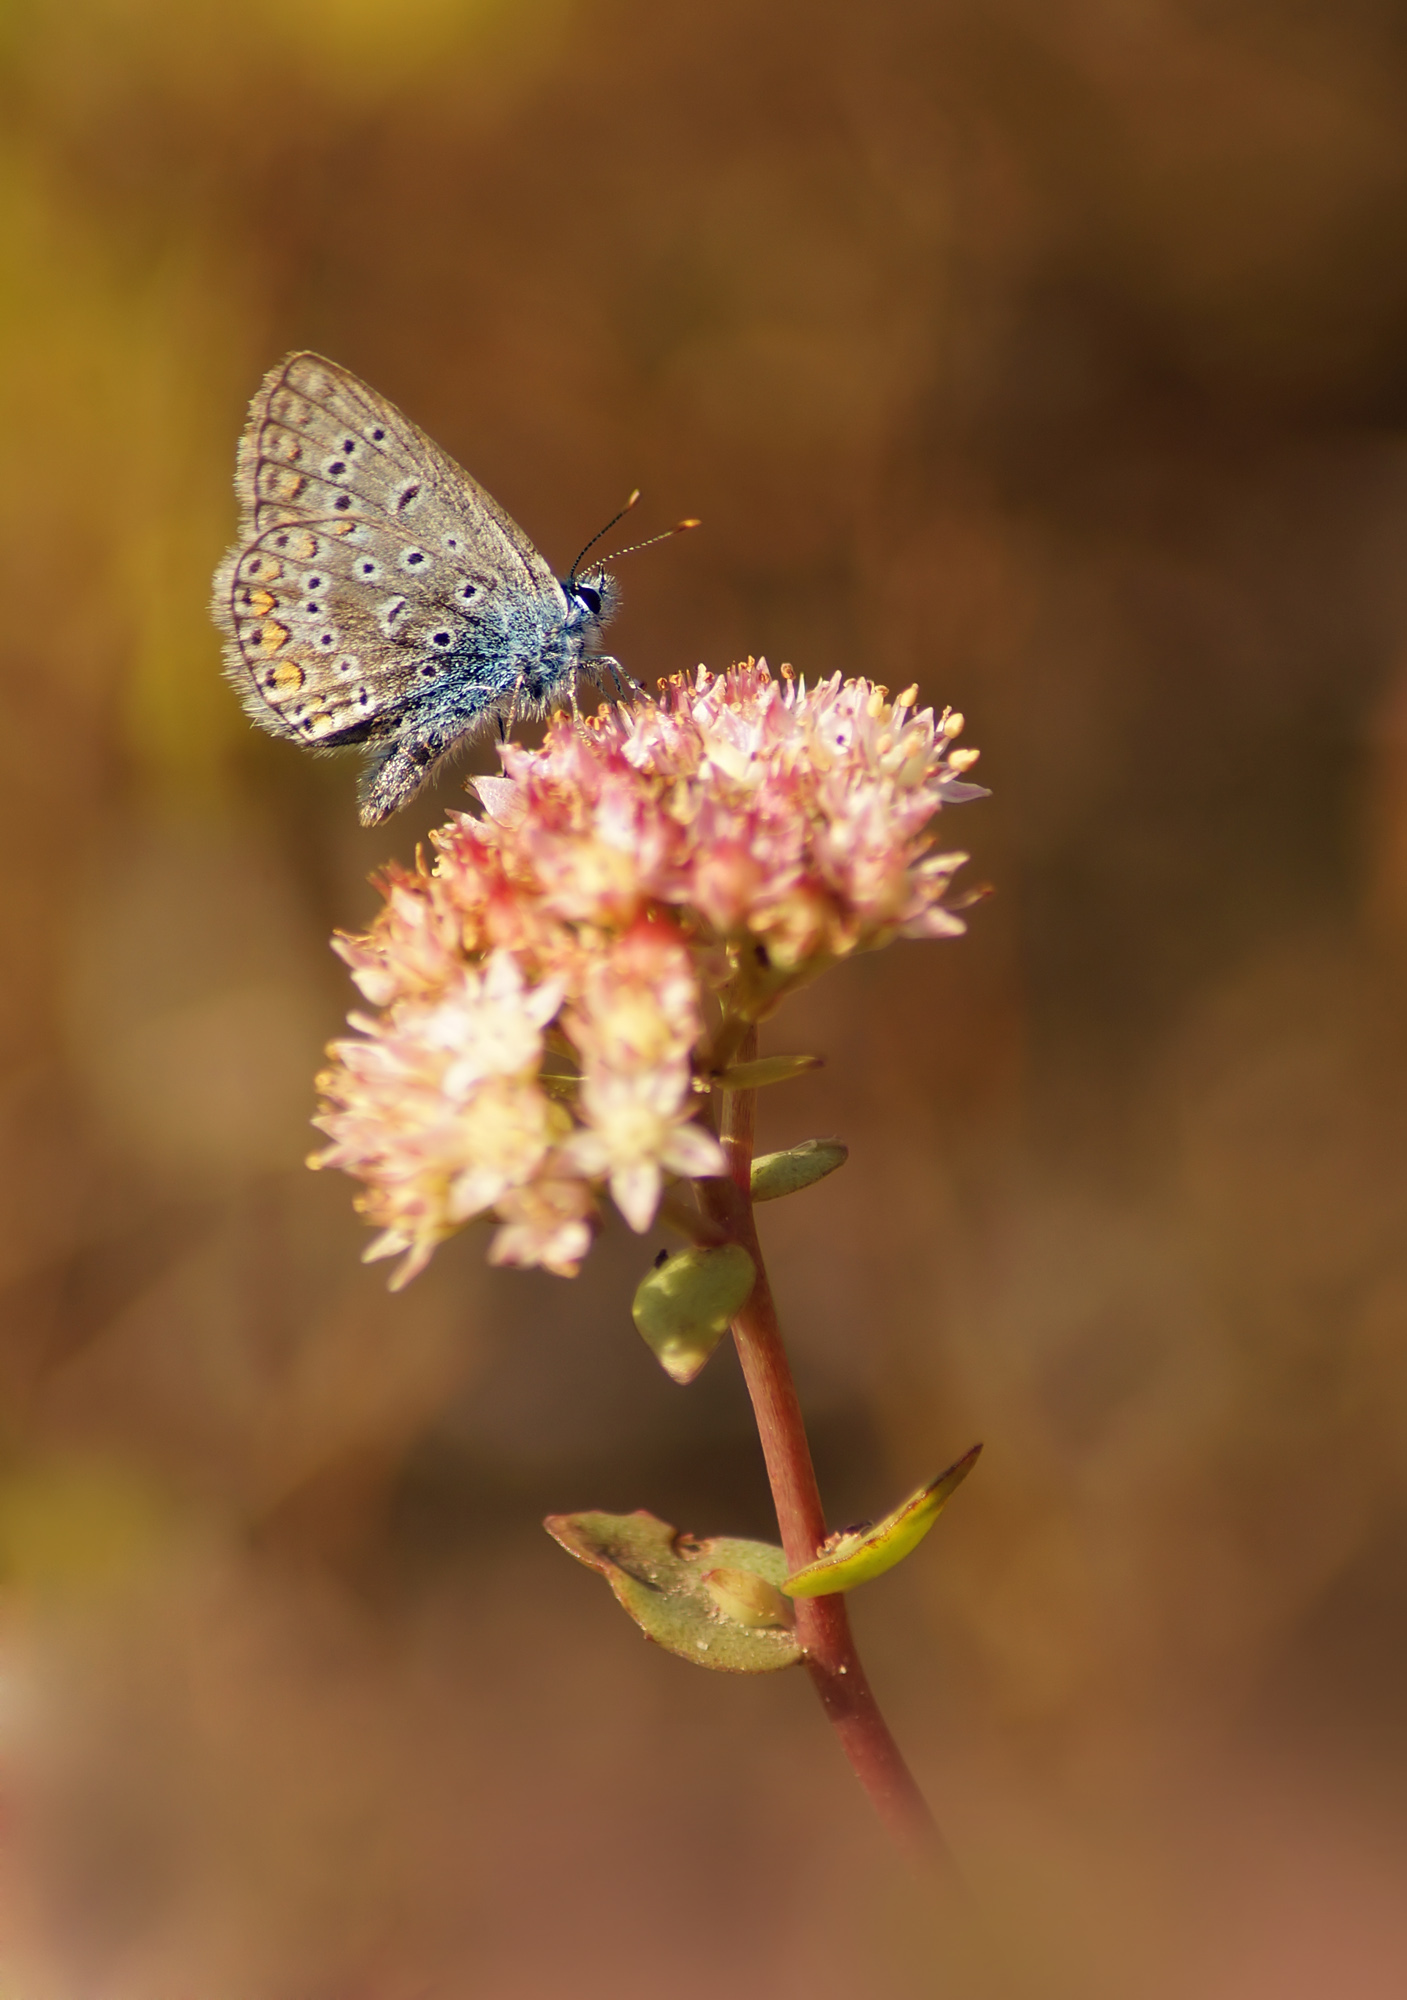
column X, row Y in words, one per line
column 590, row 598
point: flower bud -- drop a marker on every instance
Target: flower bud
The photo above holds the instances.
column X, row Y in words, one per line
column 683, row 1308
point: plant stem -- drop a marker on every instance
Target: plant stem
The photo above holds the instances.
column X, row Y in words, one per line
column 822, row 1623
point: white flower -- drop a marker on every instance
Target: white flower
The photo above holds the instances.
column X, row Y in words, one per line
column 638, row 1129
column 502, row 1135
column 545, row 1223
column 489, row 1024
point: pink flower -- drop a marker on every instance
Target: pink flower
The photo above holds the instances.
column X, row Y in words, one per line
column 543, row 987
column 638, row 1003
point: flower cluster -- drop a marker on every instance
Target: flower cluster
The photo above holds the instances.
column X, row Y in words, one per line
column 546, row 989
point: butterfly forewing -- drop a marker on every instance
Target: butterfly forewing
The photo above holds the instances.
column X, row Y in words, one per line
column 321, row 443
column 372, row 556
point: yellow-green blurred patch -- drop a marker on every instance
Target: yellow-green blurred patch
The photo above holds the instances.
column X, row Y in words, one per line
column 74, row 1527
column 353, row 49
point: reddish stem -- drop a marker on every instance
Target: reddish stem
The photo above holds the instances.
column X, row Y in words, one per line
column 822, row 1623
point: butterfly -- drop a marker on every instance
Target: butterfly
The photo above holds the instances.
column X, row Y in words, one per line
column 377, row 595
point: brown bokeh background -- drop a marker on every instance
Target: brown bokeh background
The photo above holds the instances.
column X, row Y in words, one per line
column 1053, row 355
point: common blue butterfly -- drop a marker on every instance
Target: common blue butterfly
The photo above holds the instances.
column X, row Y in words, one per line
column 378, row 595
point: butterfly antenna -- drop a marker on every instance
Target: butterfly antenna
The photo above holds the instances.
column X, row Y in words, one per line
column 679, row 528
column 571, row 573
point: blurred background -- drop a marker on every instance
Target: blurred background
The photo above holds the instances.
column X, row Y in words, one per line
column 1053, row 355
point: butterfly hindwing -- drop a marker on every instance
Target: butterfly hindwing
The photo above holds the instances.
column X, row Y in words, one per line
column 340, row 628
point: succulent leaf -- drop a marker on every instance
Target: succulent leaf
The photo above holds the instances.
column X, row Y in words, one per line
column 716, row 1602
column 800, row 1166
column 864, row 1553
column 684, row 1306
column 764, row 1070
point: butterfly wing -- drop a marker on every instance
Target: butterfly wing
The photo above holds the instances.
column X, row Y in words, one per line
column 377, row 591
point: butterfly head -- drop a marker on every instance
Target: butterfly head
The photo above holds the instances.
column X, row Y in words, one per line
column 591, row 600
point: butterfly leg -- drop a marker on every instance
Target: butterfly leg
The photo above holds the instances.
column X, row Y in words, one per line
column 602, row 664
column 505, row 732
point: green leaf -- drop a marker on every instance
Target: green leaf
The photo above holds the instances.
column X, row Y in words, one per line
column 766, row 1069
column 775, row 1174
column 860, row 1554
column 684, row 1306
column 699, row 1599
